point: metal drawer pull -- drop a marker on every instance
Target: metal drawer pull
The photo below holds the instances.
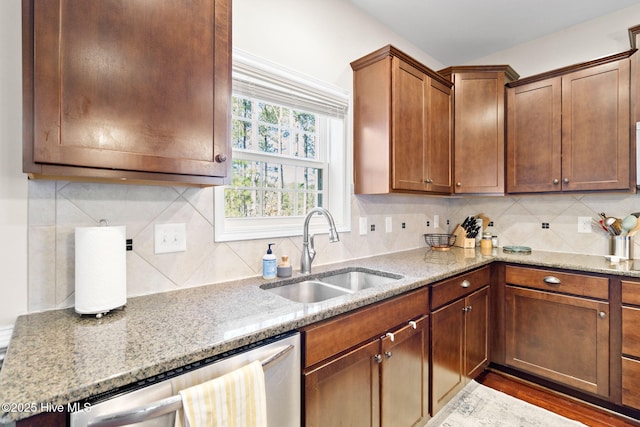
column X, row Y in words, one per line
column 602, row 314
column 378, row 358
column 551, row 280
column 465, row 284
column 413, row 324
column 163, row 406
column 391, row 336
column 388, row 354
column 467, row 308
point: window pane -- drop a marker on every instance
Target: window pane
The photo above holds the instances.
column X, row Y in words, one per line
column 273, row 188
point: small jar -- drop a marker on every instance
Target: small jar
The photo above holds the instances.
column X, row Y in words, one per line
column 486, row 243
column 494, row 241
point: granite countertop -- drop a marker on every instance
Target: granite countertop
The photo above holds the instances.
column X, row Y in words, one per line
column 58, row 357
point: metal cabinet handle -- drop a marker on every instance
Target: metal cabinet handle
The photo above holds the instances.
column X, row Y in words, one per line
column 388, row 354
column 467, row 308
column 465, row 284
column 221, row 158
column 566, row 180
column 391, row 336
column 602, row 314
column 377, row 358
column 413, row 324
column 458, row 184
column 428, row 181
column 551, row 280
column 556, row 181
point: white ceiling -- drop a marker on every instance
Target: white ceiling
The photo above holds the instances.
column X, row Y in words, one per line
column 457, row 31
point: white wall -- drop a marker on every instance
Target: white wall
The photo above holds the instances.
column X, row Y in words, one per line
column 592, row 39
column 13, row 183
column 315, row 38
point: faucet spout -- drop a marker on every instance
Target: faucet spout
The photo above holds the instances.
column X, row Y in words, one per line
column 308, row 250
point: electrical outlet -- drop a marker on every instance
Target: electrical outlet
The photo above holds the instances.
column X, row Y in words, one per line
column 584, row 224
column 388, row 224
column 170, row 238
column 436, row 221
column 363, row 225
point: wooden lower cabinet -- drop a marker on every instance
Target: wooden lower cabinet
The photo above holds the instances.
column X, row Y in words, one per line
column 631, row 344
column 405, row 375
column 563, row 338
column 345, row 390
column 460, row 345
column 381, row 381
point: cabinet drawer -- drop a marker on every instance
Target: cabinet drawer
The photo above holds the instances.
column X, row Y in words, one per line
column 630, row 292
column 630, row 381
column 568, row 283
column 452, row 289
column 325, row 339
column 631, row 331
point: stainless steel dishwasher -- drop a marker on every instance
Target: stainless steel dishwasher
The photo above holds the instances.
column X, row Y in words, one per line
column 153, row 402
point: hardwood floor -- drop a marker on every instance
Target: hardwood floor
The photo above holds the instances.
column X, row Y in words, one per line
column 552, row 401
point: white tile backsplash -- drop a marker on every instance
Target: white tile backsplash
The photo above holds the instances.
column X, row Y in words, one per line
column 56, row 208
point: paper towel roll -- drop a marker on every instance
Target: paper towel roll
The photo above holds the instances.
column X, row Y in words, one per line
column 101, row 269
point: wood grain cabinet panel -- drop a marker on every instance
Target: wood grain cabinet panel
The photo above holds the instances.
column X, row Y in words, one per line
column 344, row 391
column 479, row 127
column 125, row 90
column 402, row 125
column 631, row 343
column 559, row 337
column 459, row 333
column 569, row 129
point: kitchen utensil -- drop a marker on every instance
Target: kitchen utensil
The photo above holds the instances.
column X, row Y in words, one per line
column 634, row 230
column 614, row 225
column 600, row 224
column 628, row 223
column 440, row 242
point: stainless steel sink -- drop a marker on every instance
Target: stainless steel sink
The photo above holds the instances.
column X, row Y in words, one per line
column 358, row 279
column 330, row 285
column 309, row 291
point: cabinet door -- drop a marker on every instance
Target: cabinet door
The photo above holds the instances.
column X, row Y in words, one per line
column 447, row 353
column 630, row 381
column 405, row 375
column 345, row 391
column 595, row 128
column 534, row 137
column 439, row 143
column 408, row 124
column 125, row 85
column 559, row 337
column 476, row 332
column 479, row 133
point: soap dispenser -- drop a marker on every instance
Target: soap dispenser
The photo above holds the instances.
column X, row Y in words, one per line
column 269, row 264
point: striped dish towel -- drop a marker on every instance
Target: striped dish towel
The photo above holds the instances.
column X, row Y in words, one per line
column 236, row 399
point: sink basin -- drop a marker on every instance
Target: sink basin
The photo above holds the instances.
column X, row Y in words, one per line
column 331, row 285
column 358, row 279
column 309, row 291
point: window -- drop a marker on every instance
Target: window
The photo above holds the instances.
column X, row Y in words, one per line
column 289, row 154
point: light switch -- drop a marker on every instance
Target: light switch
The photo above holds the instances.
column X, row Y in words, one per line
column 170, row 238
column 363, row 225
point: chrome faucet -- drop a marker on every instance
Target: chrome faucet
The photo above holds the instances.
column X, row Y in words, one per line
column 308, row 251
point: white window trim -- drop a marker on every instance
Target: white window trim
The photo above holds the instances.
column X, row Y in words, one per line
column 338, row 195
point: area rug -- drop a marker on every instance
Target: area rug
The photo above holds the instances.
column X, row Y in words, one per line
column 480, row 406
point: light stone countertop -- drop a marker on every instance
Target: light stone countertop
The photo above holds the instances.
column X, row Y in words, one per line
column 59, row 357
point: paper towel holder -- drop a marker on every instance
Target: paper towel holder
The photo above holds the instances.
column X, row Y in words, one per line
column 100, row 269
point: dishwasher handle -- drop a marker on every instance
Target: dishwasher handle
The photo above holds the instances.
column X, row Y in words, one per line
column 163, row 406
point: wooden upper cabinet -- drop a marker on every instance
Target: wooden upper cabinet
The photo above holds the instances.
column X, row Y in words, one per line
column 402, row 125
column 127, row 90
column 479, row 123
column 569, row 129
